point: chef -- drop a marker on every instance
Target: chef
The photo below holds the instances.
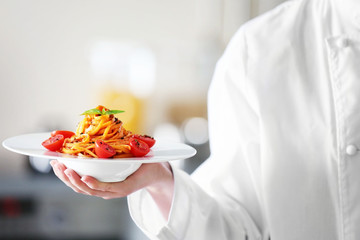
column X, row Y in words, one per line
column 284, row 122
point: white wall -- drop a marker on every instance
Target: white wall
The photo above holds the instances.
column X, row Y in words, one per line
column 46, row 46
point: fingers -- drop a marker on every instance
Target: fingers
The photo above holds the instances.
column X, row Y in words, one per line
column 134, row 182
column 59, row 170
column 146, row 175
column 77, row 181
column 110, row 190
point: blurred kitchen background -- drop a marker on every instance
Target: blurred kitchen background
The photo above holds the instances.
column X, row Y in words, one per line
column 154, row 59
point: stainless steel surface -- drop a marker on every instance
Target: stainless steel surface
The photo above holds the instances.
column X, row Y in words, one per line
column 42, row 207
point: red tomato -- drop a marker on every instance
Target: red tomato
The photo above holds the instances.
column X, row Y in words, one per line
column 138, row 148
column 104, row 150
column 150, row 141
column 66, row 134
column 54, row 143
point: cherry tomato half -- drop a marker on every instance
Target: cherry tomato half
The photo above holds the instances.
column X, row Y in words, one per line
column 104, row 150
column 66, row 134
column 150, row 141
column 138, row 148
column 54, row 143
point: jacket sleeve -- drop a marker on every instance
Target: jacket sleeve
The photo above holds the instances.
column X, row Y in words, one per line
column 221, row 199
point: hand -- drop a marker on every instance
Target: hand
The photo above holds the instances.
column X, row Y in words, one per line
column 157, row 178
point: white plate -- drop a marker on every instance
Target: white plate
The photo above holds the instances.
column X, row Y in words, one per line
column 106, row 169
column 30, row 144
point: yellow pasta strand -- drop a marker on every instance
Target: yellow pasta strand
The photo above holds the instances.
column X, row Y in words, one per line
column 93, row 127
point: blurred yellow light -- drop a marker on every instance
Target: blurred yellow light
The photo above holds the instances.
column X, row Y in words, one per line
column 123, row 100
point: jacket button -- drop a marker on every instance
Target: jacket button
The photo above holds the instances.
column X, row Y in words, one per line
column 351, row 150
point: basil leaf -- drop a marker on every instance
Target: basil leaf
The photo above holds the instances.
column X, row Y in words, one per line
column 113, row 112
column 93, row 111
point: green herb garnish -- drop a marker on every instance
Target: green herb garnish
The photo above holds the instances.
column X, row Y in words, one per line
column 112, row 112
column 96, row 111
column 92, row 111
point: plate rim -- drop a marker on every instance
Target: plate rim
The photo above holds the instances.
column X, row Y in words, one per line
column 63, row 156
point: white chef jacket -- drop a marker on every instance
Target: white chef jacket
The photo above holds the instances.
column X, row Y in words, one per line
column 284, row 122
